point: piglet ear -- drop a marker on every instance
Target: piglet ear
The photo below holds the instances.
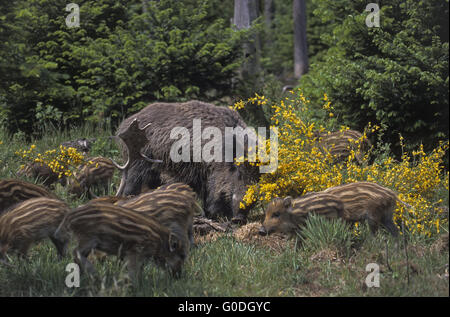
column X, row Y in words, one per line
column 287, row 202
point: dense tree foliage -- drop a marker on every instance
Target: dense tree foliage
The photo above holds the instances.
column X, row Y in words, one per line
column 395, row 75
column 126, row 54
column 120, row 58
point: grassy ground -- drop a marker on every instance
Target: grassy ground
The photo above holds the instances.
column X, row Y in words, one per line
column 227, row 267
column 332, row 263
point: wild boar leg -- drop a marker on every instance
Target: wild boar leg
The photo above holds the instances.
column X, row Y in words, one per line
column 133, row 182
column 61, row 246
column 4, row 261
column 134, row 264
column 191, row 236
column 373, row 225
column 81, row 254
column 107, row 186
column 23, row 250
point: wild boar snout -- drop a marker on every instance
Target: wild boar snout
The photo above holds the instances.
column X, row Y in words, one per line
column 262, row 231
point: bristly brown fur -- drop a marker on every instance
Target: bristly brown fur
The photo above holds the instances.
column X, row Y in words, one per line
column 287, row 215
column 42, row 172
column 173, row 205
column 368, row 201
column 121, row 231
column 220, row 185
column 340, row 143
column 13, row 191
column 31, row 221
column 99, row 173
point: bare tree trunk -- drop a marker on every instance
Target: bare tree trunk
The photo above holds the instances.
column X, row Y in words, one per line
column 269, row 12
column 300, row 43
column 245, row 12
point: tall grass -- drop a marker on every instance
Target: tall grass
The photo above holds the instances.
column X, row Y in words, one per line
column 320, row 233
column 227, row 267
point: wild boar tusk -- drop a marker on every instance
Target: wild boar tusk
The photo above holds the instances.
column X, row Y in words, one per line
column 122, row 184
column 150, row 159
column 122, row 168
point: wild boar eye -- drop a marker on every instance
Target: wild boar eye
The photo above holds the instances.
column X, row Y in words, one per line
column 276, row 214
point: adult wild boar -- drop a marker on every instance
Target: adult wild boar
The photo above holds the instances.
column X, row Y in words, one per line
column 221, row 185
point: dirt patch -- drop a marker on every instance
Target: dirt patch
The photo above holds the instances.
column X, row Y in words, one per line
column 249, row 234
column 203, row 226
column 325, row 255
column 209, row 237
column 207, row 230
column 311, row 290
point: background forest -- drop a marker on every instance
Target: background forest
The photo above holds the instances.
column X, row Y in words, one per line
column 126, row 54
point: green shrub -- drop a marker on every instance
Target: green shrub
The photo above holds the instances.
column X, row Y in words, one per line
column 395, row 75
column 117, row 61
column 322, row 233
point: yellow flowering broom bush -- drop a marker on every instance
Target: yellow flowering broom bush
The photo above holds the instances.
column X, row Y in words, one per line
column 304, row 167
column 62, row 161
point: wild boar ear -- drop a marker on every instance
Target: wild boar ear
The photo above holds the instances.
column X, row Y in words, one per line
column 287, row 202
column 174, row 242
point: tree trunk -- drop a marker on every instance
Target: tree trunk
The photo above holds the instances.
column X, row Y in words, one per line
column 300, row 42
column 245, row 12
column 269, row 12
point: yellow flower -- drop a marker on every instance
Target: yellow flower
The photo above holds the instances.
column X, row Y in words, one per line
column 304, row 167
